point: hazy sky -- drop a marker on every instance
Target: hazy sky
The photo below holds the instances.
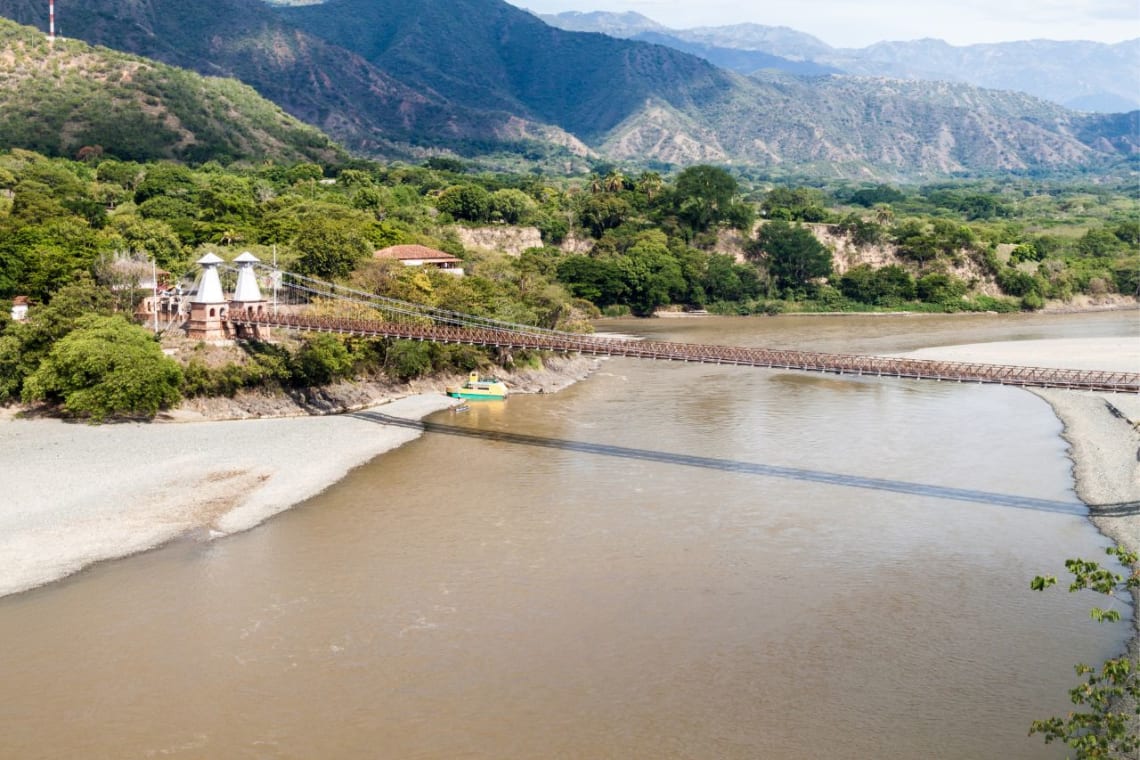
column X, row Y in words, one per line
column 856, row 23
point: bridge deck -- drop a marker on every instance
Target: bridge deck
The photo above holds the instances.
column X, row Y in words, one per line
column 809, row 361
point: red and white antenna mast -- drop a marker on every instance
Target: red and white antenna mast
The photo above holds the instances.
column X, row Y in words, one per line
column 51, row 20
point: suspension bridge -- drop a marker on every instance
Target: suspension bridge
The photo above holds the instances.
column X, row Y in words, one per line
column 300, row 303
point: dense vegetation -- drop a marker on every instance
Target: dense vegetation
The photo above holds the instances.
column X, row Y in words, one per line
column 702, row 238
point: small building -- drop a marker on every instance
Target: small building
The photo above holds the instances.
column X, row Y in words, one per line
column 20, row 309
column 422, row 256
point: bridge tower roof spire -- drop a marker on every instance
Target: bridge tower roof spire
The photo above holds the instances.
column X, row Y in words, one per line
column 210, row 286
column 247, row 290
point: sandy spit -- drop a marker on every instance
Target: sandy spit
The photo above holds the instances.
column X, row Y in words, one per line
column 75, row 494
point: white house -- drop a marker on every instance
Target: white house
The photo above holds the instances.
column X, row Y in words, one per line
column 20, row 308
column 422, row 256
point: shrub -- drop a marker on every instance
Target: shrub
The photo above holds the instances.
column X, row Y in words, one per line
column 106, row 367
column 323, row 359
column 406, row 360
column 939, row 287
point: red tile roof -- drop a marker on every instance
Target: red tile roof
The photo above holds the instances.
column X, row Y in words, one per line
column 414, row 252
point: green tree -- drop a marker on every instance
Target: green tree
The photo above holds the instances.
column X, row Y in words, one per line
column 304, row 173
column 649, row 183
column 1109, row 724
column 614, row 182
column 511, row 205
column 106, row 367
column 703, row 196
column 470, row 203
column 406, row 360
column 1017, row 283
column 323, row 359
column 800, row 204
column 602, row 212
column 166, row 180
column 725, row 280
column 330, row 248
column 939, row 287
column 600, row 281
column 151, row 238
column 793, row 254
column 1099, row 243
column 651, row 273
column 884, row 286
column 872, row 196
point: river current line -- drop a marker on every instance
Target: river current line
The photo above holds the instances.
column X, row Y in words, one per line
column 766, row 470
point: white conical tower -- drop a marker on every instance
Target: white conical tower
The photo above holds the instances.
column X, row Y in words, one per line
column 208, row 306
column 247, row 290
column 210, row 285
column 248, row 299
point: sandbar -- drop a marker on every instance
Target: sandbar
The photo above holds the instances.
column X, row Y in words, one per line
column 75, row 494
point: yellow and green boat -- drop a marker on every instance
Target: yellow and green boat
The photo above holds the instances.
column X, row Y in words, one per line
column 479, row 388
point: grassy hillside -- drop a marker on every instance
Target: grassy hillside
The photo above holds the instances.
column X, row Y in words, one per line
column 57, row 98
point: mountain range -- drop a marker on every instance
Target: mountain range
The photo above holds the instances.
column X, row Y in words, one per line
column 1081, row 75
column 391, row 76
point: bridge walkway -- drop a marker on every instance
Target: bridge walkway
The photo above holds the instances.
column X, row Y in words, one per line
column 808, row 361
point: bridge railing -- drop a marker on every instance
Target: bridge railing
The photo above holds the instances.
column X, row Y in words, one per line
column 811, row 361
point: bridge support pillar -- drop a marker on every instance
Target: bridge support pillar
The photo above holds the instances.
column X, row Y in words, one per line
column 208, row 305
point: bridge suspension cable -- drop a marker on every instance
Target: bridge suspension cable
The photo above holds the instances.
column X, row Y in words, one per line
column 324, row 289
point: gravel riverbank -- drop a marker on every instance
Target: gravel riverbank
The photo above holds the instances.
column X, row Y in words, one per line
column 75, row 494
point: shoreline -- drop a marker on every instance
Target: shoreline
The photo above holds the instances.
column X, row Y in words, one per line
column 78, row 494
column 1102, row 431
column 120, row 489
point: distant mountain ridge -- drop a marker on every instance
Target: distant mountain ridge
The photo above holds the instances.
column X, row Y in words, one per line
column 1084, row 76
column 386, row 76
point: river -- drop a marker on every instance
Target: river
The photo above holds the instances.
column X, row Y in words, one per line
column 663, row 561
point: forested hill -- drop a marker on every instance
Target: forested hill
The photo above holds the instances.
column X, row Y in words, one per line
column 67, row 98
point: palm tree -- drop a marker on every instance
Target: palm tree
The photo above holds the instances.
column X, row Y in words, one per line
column 884, row 214
column 614, row 182
column 650, row 183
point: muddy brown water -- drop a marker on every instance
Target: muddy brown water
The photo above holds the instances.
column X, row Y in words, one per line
column 663, row 561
